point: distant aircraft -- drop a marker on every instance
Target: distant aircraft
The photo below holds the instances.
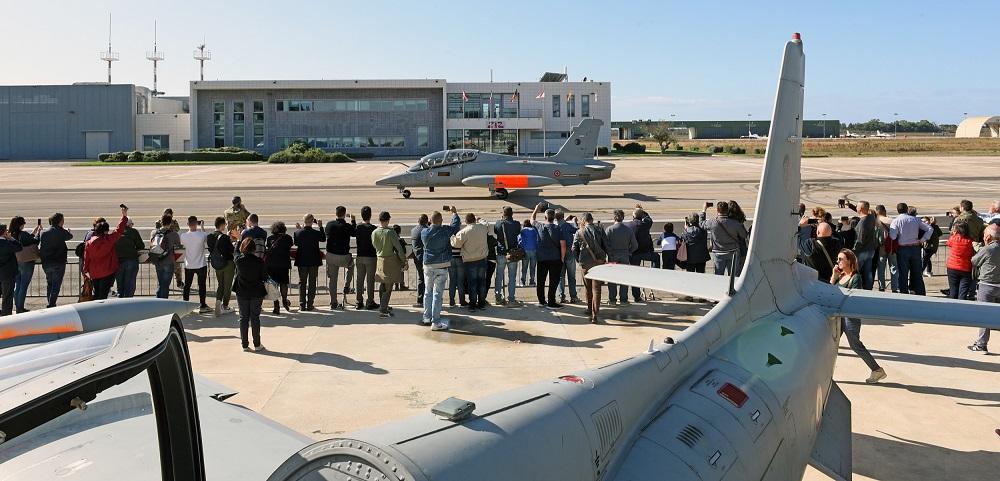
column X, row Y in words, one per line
column 744, row 394
column 851, row 135
column 574, row 164
column 882, row 135
column 752, row 136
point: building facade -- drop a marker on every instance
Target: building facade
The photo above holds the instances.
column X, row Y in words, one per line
column 394, row 118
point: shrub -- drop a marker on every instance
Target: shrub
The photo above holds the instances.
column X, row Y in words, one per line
column 679, row 147
column 715, row 149
column 616, row 146
column 156, row 156
column 119, row 157
column 300, row 153
column 633, row 148
column 737, row 150
column 695, row 149
column 221, row 149
column 134, row 157
column 602, row 150
column 759, row 151
column 242, row 156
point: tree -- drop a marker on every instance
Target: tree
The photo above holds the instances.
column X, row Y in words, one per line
column 660, row 132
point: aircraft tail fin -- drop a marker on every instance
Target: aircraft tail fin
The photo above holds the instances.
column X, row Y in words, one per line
column 582, row 142
column 831, row 453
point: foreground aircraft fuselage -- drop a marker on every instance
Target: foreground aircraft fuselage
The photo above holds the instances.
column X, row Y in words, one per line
column 574, row 164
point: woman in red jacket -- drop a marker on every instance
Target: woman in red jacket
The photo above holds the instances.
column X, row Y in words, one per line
column 960, row 262
column 100, row 261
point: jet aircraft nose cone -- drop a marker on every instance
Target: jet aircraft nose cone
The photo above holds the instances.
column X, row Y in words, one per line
column 387, row 180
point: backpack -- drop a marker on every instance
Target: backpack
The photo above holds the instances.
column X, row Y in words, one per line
column 160, row 247
column 214, row 256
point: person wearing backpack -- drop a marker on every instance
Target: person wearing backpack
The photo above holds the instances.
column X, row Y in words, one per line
column 161, row 253
column 509, row 253
column 220, row 248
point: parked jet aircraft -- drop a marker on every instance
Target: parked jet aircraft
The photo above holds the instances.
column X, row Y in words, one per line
column 883, row 135
column 574, row 164
column 744, row 394
column 851, row 135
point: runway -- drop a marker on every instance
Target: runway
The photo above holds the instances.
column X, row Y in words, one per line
column 669, row 188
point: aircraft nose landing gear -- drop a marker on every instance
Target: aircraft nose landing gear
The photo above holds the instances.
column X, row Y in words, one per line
column 405, row 192
column 500, row 194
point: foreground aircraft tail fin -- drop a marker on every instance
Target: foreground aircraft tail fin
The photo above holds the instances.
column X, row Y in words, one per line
column 582, row 142
column 831, row 453
column 692, row 284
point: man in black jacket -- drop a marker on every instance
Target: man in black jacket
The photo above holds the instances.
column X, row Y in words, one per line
column 338, row 254
column 220, row 251
column 824, row 253
column 9, row 247
column 418, row 255
column 52, row 251
column 506, row 229
column 640, row 224
column 865, row 242
column 366, row 261
column 308, row 258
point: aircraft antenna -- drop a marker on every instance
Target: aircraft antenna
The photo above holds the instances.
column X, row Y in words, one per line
column 110, row 55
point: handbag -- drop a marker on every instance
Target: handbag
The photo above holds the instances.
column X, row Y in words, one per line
column 513, row 255
column 86, row 290
column 273, row 290
column 28, row 254
column 682, row 252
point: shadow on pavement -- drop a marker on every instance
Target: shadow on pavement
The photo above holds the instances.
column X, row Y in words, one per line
column 904, row 460
column 941, row 361
column 938, row 391
column 327, row 359
column 467, row 326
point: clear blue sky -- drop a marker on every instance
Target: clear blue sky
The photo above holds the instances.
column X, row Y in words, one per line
column 697, row 60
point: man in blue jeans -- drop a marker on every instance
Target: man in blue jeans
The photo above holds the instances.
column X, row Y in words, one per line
column 169, row 240
column 568, row 274
column 909, row 232
column 507, row 230
column 473, row 246
column 52, row 252
column 987, row 260
column 437, row 257
column 729, row 239
column 127, row 249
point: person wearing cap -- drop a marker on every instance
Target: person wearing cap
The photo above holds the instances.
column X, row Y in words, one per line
column 127, row 248
column 391, row 261
column 308, row 258
column 236, row 217
column 195, row 242
column 9, row 247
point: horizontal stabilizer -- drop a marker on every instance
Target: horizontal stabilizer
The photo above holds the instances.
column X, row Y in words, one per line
column 599, row 168
column 678, row 282
column 831, row 452
column 927, row 310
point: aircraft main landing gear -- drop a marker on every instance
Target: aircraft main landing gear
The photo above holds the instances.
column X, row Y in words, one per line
column 406, row 193
column 500, row 194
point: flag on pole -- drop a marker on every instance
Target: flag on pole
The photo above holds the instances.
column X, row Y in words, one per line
column 465, row 98
column 513, row 98
column 541, row 95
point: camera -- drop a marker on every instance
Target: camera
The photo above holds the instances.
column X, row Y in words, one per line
column 709, row 204
column 841, row 203
column 813, row 221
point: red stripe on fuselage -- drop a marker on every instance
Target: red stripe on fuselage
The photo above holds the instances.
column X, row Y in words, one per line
column 510, row 181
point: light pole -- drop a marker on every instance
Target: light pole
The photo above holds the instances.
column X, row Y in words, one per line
column 895, row 124
column 748, row 126
column 824, row 125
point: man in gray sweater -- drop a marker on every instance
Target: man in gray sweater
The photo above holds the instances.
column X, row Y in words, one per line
column 729, row 238
column 621, row 244
column 988, row 262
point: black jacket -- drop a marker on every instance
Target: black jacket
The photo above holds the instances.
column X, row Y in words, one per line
column 338, row 236
column 8, row 259
column 250, row 276
column 363, row 234
column 507, row 229
column 279, row 251
column 221, row 243
column 52, row 246
column 309, row 253
column 696, row 239
column 418, row 242
column 641, row 228
column 819, row 260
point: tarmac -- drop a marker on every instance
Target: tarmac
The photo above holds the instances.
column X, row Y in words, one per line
column 326, row 374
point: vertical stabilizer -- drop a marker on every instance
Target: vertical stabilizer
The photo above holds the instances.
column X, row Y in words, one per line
column 582, row 142
column 776, row 212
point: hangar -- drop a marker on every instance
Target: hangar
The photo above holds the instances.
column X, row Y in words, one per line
column 984, row 126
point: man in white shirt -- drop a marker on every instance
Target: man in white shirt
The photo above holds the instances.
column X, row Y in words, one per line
column 909, row 232
column 195, row 242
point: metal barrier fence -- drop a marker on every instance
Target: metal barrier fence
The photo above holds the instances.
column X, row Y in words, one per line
column 146, row 282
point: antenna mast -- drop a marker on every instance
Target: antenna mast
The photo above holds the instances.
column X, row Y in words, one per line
column 110, row 55
column 201, row 55
column 155, row 56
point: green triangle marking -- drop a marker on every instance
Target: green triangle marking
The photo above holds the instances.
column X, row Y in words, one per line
column 786, row 331
column 771, row 360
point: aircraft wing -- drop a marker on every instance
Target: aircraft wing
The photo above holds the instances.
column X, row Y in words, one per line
column 927, row 310
column 678, row 282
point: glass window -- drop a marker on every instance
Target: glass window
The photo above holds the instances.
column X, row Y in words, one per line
column 155, row 142
column 239, row 124
column 280, row 106
column 423, row 136
column 555, row 105
column 364, row 105
column 258, row 124
column 585, row 105
column 570, row 106
column 219, row 124
column 455, row 138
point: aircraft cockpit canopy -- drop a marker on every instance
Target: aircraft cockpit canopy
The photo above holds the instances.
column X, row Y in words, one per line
column 445, row 157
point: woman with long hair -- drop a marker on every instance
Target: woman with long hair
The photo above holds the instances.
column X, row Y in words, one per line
column 845, row 275
column 25, row 270
column 251, row 273
column 100, row 260
column 279, row 262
